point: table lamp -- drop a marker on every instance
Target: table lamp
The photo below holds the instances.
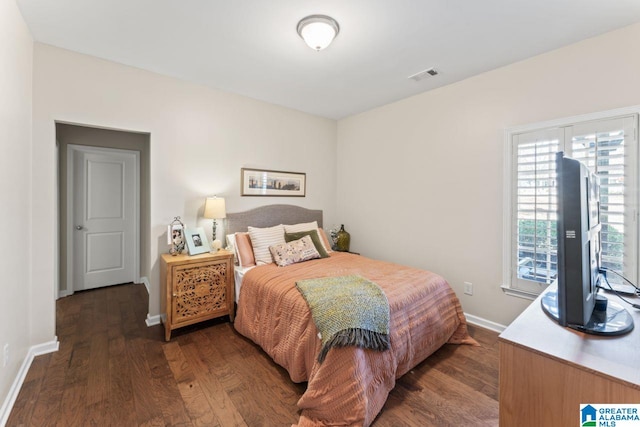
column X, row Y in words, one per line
column 214, row 208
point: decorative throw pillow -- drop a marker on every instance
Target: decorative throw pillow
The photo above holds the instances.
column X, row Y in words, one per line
column 303, row 226
column 293, row 252
column 315, row 238
column 324, row 240
column 262, row 238
column 244, row 250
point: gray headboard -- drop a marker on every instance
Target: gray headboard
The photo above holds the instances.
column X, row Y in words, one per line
column 270, row 215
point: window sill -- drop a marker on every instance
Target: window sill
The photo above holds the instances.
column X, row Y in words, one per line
column 519, row 293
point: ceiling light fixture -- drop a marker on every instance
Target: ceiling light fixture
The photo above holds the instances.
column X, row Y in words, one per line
column 318, row 31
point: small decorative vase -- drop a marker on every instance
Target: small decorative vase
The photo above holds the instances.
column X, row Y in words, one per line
column 343, row 239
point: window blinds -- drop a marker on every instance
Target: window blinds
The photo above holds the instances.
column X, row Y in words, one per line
column 609, row 148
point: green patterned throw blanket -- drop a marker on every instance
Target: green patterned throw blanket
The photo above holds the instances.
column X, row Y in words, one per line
column 347, row 310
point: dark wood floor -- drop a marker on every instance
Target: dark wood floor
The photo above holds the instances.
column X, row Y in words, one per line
column 112, row 370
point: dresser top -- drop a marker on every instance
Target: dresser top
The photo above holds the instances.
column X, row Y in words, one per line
column 182, row 258
column 617, row 357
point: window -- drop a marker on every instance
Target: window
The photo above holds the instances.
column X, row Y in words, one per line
column 535, row 209
column 609, row 148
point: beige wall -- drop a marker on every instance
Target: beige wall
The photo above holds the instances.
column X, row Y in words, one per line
column 420, row 180
column 16, row 313
column 199, row 140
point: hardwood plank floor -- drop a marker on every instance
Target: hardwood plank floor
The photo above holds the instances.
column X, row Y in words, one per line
column 113, row 370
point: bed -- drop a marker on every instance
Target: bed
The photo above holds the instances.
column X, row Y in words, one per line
column 351, row 385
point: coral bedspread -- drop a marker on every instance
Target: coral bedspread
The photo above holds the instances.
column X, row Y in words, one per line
column 352, row 384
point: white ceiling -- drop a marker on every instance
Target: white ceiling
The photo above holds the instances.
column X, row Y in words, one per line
column 251, row 47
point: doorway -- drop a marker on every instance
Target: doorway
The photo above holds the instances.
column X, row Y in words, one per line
column 99, row 245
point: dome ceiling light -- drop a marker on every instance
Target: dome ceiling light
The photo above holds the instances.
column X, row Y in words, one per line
column 318, row 31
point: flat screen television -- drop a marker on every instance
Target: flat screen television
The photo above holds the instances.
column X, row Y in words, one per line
column 575, row 302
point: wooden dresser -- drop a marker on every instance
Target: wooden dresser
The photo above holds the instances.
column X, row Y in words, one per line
column 547, row 371
column 195, row 288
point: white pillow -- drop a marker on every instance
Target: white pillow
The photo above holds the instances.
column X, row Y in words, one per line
column 262, row 238
column 303, row 226
column 231, row 247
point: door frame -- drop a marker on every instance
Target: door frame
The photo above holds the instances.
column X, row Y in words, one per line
column 71, row 148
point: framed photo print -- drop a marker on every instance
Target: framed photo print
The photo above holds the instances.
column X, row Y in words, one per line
column 263, row 182
column 197, row 241
column 175, row 236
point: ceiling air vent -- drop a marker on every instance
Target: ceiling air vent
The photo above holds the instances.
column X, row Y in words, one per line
column 430, row 72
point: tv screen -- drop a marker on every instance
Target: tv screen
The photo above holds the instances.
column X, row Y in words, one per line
column 578, row 240
column 575, row 302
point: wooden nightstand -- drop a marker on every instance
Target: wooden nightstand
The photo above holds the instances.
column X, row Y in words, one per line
column 195, row 288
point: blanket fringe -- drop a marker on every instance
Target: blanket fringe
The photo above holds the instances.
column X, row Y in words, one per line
column 362, row 338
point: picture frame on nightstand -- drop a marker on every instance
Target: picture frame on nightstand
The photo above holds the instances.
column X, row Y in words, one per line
column 197, row 241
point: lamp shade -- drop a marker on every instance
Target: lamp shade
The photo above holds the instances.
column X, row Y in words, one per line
column 318, row 31
column 215, row 208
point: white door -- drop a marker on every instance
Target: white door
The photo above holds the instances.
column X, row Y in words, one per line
column 103, row 193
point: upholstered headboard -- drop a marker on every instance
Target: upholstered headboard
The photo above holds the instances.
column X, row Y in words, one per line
column 270, row 215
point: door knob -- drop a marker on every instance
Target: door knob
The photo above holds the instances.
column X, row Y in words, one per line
column 78, row 227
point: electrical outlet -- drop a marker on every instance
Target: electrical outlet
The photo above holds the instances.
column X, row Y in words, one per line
column 5, row 358
column 468, row 288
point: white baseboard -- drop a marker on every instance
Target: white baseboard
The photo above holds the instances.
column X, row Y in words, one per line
column 484, row 323
column 65, row 293
column 34, row 351
column 145, row 281
column 153, row 320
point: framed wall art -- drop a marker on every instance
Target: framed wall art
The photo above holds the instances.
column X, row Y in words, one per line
column 196, row 241
column 262, row 182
